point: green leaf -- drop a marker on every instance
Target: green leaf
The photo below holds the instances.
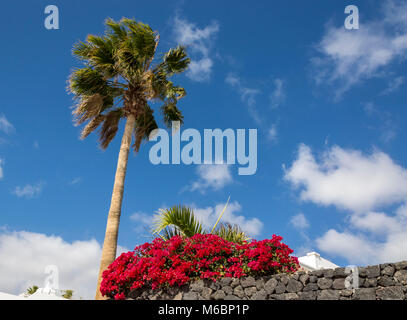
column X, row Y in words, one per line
column 180, row 218
column 176, row 60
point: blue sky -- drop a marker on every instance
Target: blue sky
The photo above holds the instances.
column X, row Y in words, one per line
column 328, row 103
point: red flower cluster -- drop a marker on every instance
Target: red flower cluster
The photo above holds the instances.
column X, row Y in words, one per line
column 179, row 260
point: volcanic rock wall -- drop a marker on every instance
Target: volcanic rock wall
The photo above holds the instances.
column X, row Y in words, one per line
column 380, row 282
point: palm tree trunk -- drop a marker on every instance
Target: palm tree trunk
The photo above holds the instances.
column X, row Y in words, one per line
column 113, row 219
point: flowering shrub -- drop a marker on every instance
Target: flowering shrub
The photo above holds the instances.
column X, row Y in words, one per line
column 175, row 262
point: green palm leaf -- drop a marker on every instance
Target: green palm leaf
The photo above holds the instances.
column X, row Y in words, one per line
column 177, row 220
column 32, row 290
column 231, row 233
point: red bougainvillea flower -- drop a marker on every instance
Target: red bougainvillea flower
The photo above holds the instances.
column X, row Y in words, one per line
column 177, row 261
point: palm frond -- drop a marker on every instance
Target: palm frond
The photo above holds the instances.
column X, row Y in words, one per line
column 145, row 124
column 109, row 127
column 176, row 60
column 68, row 294
column 171, row 113
column 32, row 290
column 88, row 108
column 170, row 232
column 92, row 125
column 98, row 52
column 231, row 233
column 87, row 82
column 83, row 50
column 137, row 49
column 116, row 28
column 181, row 218
column 221, row 214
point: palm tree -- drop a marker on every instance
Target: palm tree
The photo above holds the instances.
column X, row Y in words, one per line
column 118, row 81
column 180, row 220
column 32, row 290
column 177, row 220
column 68, row 294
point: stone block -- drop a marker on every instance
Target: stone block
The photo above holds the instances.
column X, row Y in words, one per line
column 324, row 283
column 270, row 285
column 390, row 293
column 248, row 282
column 294, row 286
column 365, row 294
column 401, row 276
column 328, row 295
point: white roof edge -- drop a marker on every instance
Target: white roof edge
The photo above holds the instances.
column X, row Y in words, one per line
column 7, row 296
column 314, row 261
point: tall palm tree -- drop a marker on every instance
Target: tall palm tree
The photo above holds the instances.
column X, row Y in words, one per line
column 119, row 80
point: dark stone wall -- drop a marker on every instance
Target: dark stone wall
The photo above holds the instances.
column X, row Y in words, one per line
column 379, row 282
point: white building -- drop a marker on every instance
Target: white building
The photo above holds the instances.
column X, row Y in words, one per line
column 313, row 261
column 40, row 294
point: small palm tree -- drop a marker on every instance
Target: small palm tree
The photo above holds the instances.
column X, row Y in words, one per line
column 180, row 220
column 32, row 290
column 67, row 294
column 119, row 80
column 231, row 232
column 177, row 220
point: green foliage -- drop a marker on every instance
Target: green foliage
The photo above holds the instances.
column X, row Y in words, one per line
column 175, row 60
column 32, row 290
column 231, row 233
column 67, row 294
column 180, row 220
column 118, row 79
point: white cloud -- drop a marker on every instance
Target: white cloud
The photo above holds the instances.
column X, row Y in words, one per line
column 360, row 183
column 209, row 215
column 29, row 191
column 388, row 131
column 347, row 57
column 247, row 95
column 394, row 85
column 24, row 256
column 376, row 222
column 385, row 119
column 75, row 181
column 402, row 211
column 5, row 125
column 369, row 108
column 356, row 249
column 142, row 217
column 1, row 168
column 143, row 224
column 301, row 224
column 273, row 133
column 348, row 179
column 299, row 221
column 200, row 70
column 200, row 42
column 214, row 176
column 277, row 97
column 377, row 245
column 371, row 238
